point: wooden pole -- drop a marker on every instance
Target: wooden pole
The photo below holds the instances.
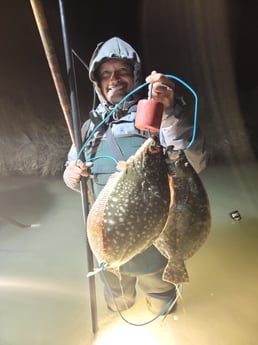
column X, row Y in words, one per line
column 53, row 63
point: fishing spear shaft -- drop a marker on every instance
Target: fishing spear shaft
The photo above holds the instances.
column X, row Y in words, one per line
column 78, row 141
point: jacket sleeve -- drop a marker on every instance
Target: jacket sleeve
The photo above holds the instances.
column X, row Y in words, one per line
column 176, row 130
column 72, row 156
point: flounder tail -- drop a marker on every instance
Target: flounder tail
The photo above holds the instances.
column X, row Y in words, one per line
column 175, row 272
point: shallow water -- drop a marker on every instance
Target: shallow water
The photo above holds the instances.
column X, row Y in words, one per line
column 44, row 294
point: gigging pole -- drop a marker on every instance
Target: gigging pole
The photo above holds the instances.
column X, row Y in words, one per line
column 75, row 129
column 53, row 63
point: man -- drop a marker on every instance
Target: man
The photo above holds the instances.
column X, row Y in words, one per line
column 115, row 70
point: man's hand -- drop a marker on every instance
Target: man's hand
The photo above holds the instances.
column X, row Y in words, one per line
column 162, row 88
column 75, row 170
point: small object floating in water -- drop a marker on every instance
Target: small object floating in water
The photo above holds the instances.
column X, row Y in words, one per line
column 235, row 215
column 19, row 224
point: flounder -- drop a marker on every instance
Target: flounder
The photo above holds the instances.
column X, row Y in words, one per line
column 189, row 219
column 131, row 210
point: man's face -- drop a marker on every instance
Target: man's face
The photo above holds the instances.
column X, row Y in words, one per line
column 115, row 78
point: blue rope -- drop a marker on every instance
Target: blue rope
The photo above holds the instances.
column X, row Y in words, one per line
column 134, row 91
column 104, row 156
column 166, row 309
column 169, row 305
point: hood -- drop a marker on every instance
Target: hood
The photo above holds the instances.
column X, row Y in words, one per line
column 115, row 48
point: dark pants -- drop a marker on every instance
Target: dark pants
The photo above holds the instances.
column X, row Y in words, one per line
column 121, row 294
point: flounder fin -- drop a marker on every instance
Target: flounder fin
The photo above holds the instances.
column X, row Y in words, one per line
column 175, row 272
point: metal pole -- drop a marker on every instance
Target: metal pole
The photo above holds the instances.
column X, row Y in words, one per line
column 53, row 63
column 78, row 141
column 73, row 124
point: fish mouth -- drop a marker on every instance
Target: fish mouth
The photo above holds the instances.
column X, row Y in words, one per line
column 155, row 147
column 172, row 154
column 150, row 146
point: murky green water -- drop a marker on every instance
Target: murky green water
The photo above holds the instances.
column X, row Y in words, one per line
column 44, row 295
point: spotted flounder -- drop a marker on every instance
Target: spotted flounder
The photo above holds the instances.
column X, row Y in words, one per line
column 131, row 210
column 189, row 219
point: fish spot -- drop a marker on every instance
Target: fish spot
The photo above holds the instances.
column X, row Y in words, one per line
column 115, row 199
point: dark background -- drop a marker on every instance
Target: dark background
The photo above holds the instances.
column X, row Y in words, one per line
column 211, row 46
